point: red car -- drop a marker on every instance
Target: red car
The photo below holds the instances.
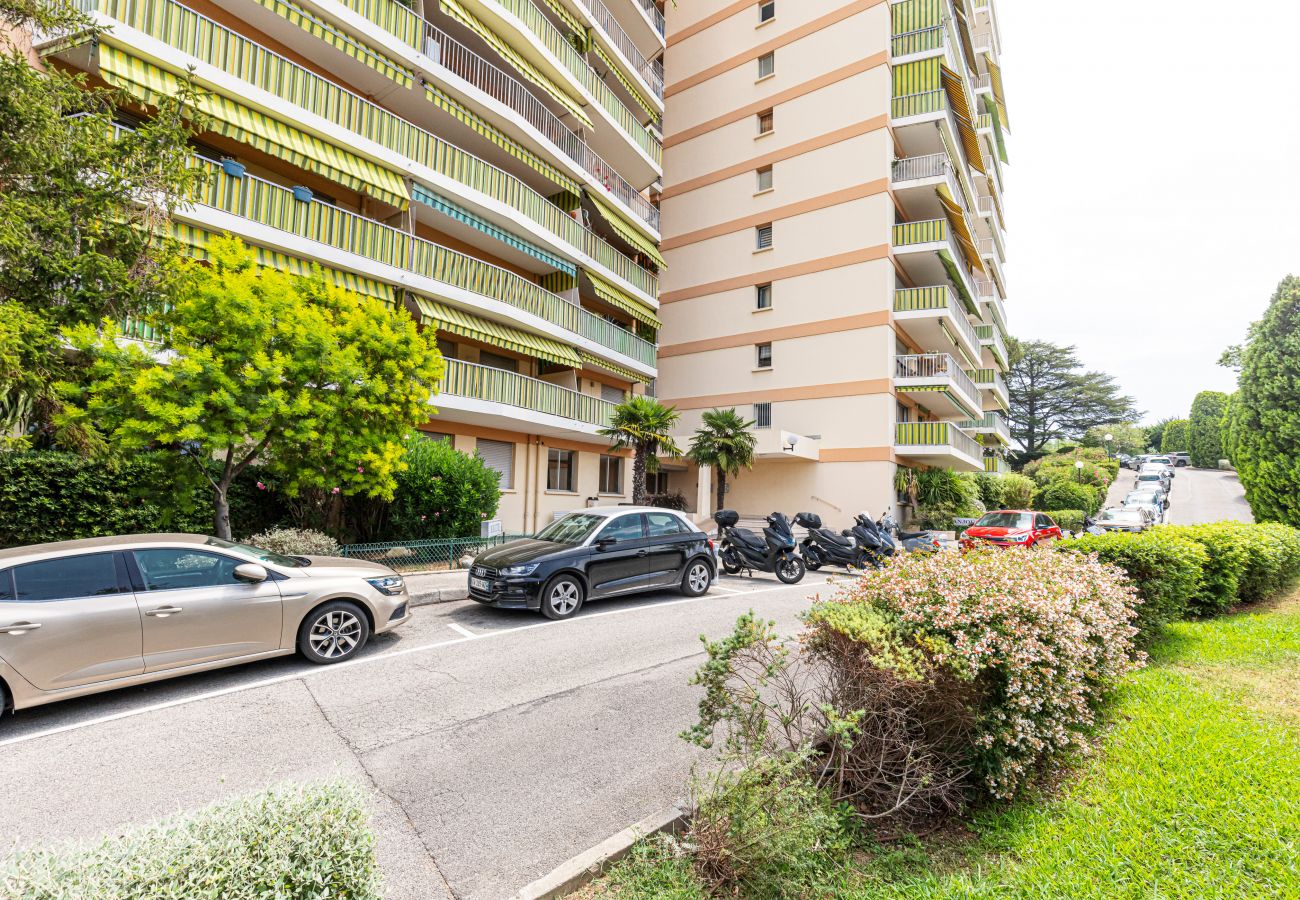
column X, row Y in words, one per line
column 1011, row 528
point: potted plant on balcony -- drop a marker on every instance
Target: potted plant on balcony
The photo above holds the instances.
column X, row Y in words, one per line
column 232, row 167
column 302, row 194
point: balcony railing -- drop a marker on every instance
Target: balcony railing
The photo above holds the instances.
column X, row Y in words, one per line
column 541, row 27
column 922, row 40
column 272, row 205
column 939, row 299
column 476, row 382
column 991, row 336
column 991, row 423
column 496, row 83
column 932, row 367
column 936, row 434
column 991, row 379
column 996, row 465
column 204, row 39
column 913, row 168
column 652, row 74
column 918, row 104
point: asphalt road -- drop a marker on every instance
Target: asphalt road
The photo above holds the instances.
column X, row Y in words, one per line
column 1198, row 495
column 496, row 744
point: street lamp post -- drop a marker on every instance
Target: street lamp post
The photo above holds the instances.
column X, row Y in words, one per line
column 1109, row 437
column 1078, row 469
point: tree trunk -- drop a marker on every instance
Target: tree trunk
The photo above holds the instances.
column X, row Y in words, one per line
column 638, row 477
column 221, row 503
column 722, row 487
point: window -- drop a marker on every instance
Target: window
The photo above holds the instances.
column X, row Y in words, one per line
column 764, row 355
column 763, row 236
column 612, row 393
column 765, row 121
column 762, row 415
column 438, row 436
column 656, row 483
column 499, row 456
column 170, row 568
column 766, row 64
column 763, row 296
column 624, row 528
column 66, row 577
column 766, row 11
column 764, row 178
column 1042, row 521
column 611, row 474
column 446, row 348
column 651, row 387
column 664, row 524
column 560, row 466
column 904, row 413
column 505, row 363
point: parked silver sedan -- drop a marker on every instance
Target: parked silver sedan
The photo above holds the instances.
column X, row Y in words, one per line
column 79, row 617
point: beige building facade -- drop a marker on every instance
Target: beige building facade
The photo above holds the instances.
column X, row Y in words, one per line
column 832, row 226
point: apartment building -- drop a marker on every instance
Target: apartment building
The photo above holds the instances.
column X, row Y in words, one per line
column 481, row 163
column 835, row 242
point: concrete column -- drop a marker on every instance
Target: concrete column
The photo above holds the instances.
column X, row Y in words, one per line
column 704, row 494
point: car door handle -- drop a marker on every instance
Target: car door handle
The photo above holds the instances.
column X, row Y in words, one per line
column 163, row 612
column 643, row 553
column 20, row 627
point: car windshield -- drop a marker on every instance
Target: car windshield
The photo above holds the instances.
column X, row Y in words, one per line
column 572, row 529
column 1150, row 476
column 1159, row 460
column 1005, row 520
column 1119, row 515
column 275, row 559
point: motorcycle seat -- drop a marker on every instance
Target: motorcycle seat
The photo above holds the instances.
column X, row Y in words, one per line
column 748, row 538
column 910, row 535
column 831, row 537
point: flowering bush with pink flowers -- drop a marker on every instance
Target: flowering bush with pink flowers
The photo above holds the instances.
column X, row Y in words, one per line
column 1039, row 639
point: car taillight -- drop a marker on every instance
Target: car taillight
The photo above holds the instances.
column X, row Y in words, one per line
column 710, row 543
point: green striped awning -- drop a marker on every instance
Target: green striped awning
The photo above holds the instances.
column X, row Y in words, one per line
column 467, row 325
column 240, row 123
column 627, row 231
column 615, row 368
column 920, row 77
column 627, row 83
column 958, row 283
column 995, row 78
column 617, row 298
column 450, row 105
column 995, row 116
column 316, row 25
column 915, row 15
column 423, row 195
column 196, row 242
column 572, row 22
column 521, row 64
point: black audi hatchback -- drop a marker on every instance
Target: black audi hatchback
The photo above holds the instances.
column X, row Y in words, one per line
column 596, row 553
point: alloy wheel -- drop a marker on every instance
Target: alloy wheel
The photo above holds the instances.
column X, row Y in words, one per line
column 335, row 634
column 698, row 578
column 564, row 597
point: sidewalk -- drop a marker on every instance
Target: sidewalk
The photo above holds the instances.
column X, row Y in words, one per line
column 437, row 587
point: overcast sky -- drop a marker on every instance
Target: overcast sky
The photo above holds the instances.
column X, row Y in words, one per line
column 1153, row 201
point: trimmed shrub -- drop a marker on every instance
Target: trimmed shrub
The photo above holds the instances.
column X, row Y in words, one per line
column 1017, row 492
column 1270, row 558
column 1287, row 544
column 1063, row 494
column 290, row 841
column 1205, row 428
column 1164, row 566
column 295, row 542
column 442, row 494
column 990, row 490
column 1176, row 437
column 1068, row 519
column 1227, row 556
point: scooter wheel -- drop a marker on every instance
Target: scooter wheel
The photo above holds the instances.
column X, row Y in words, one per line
column 812, row 565
column 790, row 570
column 730, row 568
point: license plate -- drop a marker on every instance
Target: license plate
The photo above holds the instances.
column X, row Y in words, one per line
column 480, row 584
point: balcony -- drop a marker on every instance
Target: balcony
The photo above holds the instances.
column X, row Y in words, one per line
column 930, row 170
column 334, row 231
column 650, row 73
column 992, row 383
column 930, row 254
column 987, row 294
column 937, row 382
column 940, row 444
column 487, row 388
column 934, row 318
column 993, row 346
column 200, row 38
column 504, row 88
column 992, row 424
column 996, row 464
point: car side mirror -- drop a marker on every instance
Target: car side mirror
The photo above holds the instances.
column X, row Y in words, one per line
column 606, row 543
column 251, row 573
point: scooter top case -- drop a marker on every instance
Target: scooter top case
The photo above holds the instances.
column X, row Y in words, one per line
column 808, row 520
column 726, row 518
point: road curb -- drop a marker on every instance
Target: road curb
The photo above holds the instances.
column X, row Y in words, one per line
column 439, row 595
column 587, row 866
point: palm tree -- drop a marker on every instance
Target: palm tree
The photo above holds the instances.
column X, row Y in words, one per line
column 645, row 425
column 724, row 442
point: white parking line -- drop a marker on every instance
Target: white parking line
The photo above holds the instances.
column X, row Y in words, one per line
column 461, row 630
column 318, row 671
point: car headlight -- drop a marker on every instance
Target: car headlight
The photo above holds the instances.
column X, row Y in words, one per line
column 518, row 571
column 392, row 585
column 1018, row 538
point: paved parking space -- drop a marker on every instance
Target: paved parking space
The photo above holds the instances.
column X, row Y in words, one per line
column 496, row 743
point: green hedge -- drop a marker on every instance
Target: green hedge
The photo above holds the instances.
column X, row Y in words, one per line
column 1068, row 519
column 1228, row 556
column 290, row 841
column 1062, row 494
column 1164, row 566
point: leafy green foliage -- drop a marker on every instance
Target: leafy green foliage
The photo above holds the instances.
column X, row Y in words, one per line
column 645, row 425
column 1266, row 419
column 1205, row 429
column 295, row 542
column 318, row 383
column 1069, row 519
column 1125, row 437
column 726, row 442
column 1176, row 436
column 943, row 495
column 1227, row 556
column 1060, row 494
column 290, row 841
column 1017, row 492
column 442, row 493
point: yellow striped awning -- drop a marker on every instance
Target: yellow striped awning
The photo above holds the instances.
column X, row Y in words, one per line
column 960, row 228
column 627, row 83
column 151, row 85
column 309, row 22
column 457, row 110
column 963, row 30
column 919, row 77
column 955, row 88
column 467, row 325
column 196, row 242
column 617, row 298
column 569, row 19
column 626, row 230
column 614, row 368
column 995, row 78
column 525, row 68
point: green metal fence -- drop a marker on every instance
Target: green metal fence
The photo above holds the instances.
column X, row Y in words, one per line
column 425, row 556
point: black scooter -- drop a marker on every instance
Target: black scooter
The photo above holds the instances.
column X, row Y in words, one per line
column 910, row 541
column 867, row 533
column 742, row 550
column 823, row 547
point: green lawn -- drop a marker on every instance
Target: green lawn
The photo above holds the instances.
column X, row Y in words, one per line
column 1195, row 793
